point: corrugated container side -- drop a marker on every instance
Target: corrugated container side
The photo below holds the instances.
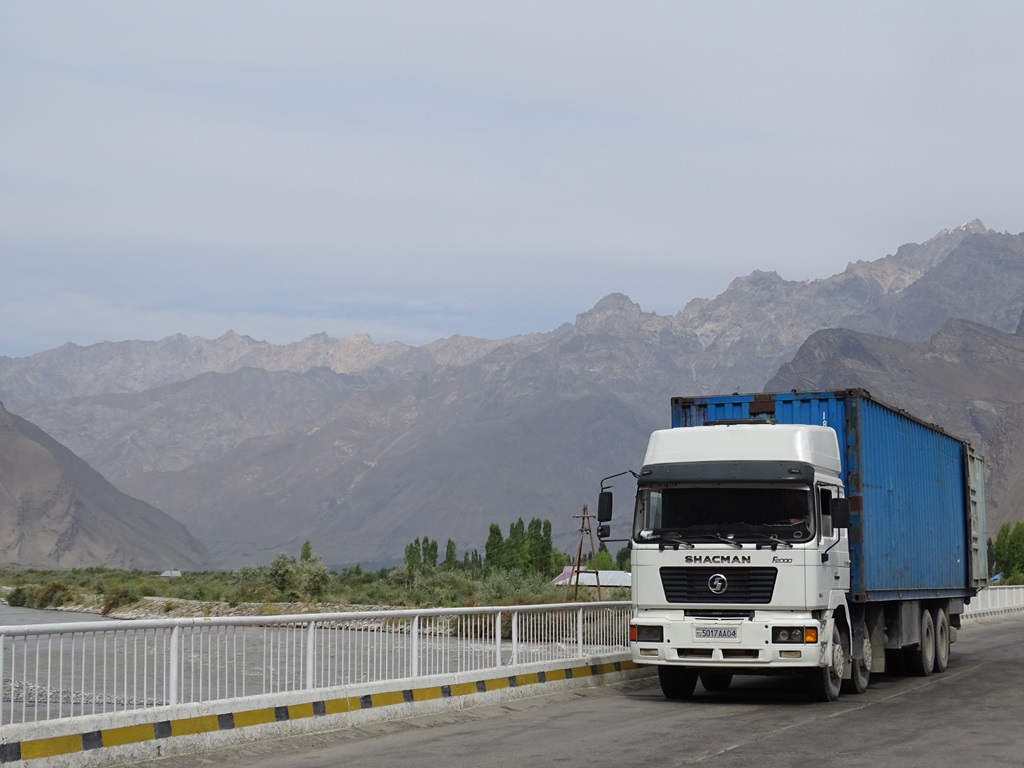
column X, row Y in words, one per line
column 912, row 535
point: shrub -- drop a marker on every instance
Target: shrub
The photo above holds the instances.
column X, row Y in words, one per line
column 283, row 574
column 23, row 595
column 54, row 594
column 119, row 596
column 315, row 577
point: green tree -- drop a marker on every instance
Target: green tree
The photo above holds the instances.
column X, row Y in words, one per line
column 450, row 556
column 516, row 549
column 1009, row 550
column 283, row 573
column 551, row 563
column 307, row 552
column 429, row 553
column 603, row 561
column 494, row 549
column 414, row 557
column 622, row 561
column 250, row 583
column 538, row 557
column 314, row 577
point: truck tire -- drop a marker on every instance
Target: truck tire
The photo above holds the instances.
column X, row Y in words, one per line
column 921, row 660
column 677, row 682
column 824, row 683
column 860, row 669
column 716, row 682
column 942, row 638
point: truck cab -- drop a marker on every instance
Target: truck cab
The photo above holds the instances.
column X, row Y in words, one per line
column 739, row 555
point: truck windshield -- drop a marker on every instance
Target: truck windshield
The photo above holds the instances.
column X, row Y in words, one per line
column 738, row 513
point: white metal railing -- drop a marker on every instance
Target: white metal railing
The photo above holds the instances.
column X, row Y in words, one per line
column 52, row 671
column 992, row 600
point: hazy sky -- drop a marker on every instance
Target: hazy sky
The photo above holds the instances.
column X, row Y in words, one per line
column 414, row 170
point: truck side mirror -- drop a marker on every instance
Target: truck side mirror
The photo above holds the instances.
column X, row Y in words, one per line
column 840, row 509
column 604, row 507
column 604, row 531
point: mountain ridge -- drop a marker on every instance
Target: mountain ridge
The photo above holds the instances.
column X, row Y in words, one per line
column 56, row 511
column 363, row 447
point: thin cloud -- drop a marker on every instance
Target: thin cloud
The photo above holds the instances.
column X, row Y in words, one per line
column 282, row 170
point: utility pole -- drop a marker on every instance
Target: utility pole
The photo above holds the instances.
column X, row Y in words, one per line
column 585, row 531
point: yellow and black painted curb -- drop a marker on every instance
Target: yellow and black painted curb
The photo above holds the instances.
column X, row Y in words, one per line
column 164, row 729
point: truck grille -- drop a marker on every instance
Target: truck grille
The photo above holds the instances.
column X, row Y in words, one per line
column 745, row 585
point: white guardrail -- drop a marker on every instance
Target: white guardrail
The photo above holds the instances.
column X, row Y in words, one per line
column 995, row 600
column 52, row 671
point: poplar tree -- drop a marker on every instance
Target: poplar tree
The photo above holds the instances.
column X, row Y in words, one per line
column 516, row 554
column 414, row 557
column 429, row 553
column 494, row 549
column 450, row 559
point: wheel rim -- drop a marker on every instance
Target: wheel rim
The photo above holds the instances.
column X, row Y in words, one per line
column 838, row 659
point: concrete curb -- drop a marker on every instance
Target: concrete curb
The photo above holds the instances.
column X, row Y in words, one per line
column 113, row 738
column 988, row 612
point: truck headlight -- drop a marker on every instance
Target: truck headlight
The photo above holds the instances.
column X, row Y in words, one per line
column 645, row 633
column 794, row 634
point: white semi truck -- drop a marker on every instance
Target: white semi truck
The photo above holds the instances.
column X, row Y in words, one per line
column 822, row 534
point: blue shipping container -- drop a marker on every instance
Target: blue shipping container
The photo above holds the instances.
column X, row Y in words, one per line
column 916, row 518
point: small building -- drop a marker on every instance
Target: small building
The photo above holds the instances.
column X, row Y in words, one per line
column 590, row 578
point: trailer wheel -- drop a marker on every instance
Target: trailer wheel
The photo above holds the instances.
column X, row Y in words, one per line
column 921, row 660
column 677, row 682
column 716, row 682
column 942, row 637
column 824, row 683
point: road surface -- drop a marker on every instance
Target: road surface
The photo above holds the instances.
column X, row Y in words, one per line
column 971, row 715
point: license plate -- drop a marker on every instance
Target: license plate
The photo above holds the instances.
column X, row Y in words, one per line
column 717, row 633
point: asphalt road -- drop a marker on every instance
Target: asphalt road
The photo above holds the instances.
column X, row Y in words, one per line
column 971, row 715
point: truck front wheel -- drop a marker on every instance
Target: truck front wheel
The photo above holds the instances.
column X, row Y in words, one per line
column 716, row 682
column 823, row 683
column 677, row 682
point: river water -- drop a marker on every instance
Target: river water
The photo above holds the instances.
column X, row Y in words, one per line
column 14, row 616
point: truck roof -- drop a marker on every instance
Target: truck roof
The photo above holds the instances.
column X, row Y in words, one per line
column 814, row 445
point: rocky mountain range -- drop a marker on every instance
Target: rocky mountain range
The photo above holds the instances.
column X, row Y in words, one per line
column 362, row 447
column 58, row 512
column 968, row 379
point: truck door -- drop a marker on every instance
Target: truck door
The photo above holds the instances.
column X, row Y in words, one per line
column 833, row 545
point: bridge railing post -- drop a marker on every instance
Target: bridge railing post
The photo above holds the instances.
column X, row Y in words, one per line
column 310, row 654
column 414, row 662
column 579, row 632
column 3, row 648
column 497, row 639
column 172, row 666
column 515, row 636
